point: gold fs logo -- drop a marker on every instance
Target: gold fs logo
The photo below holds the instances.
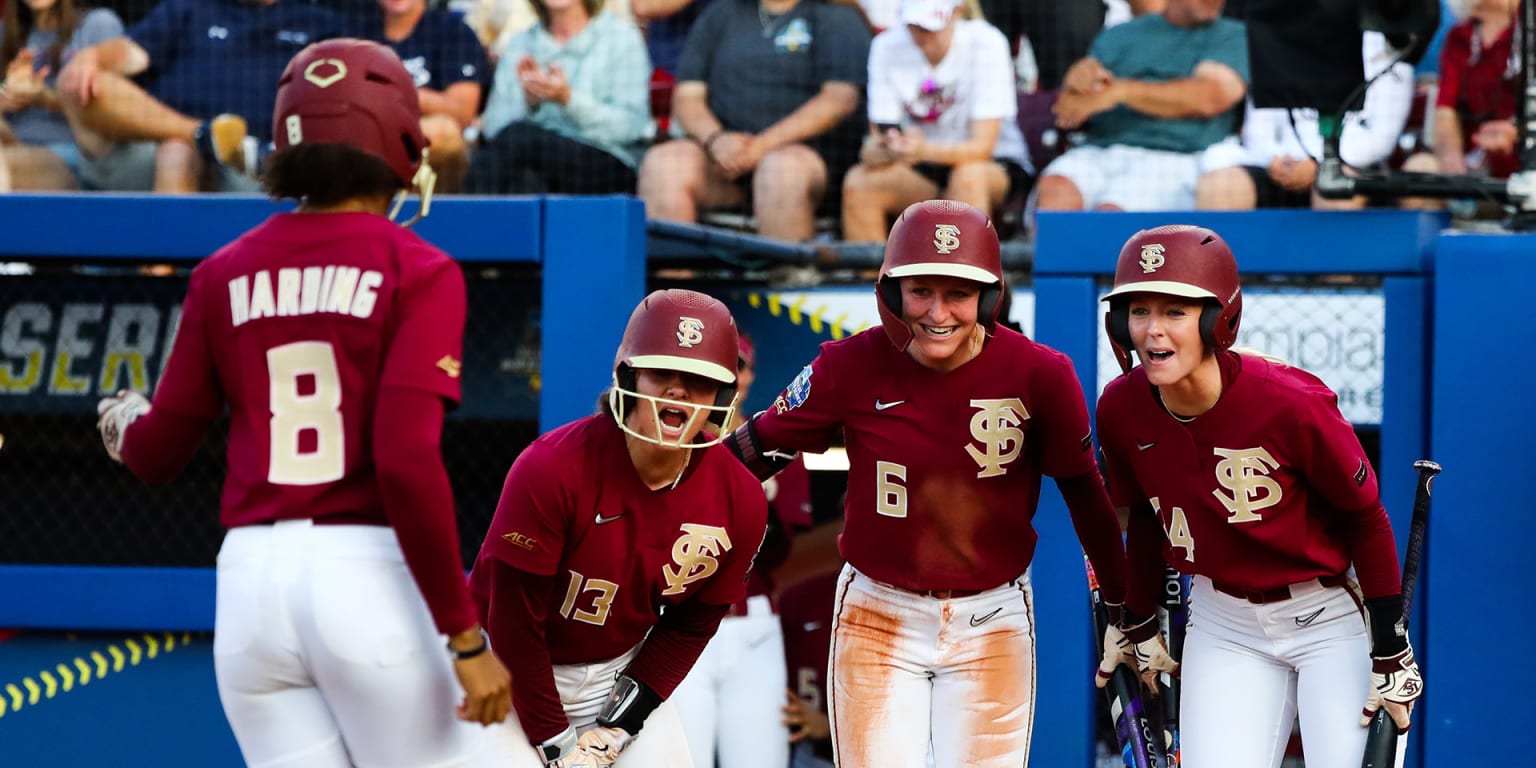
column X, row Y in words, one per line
column 946, row 237
column 325, row 73
column 996, row 426
column 1152, row 258
column 696, row 554
column 690, row 331
column 1245, row 475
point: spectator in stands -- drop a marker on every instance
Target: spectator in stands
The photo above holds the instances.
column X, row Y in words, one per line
column 570, row 106
column 450, row 69
column 213, row 67
column 1277, row 163
column 38, row 37
column 1474, row 128
column 768, row 98
column 943, row 109
column 1153, row 94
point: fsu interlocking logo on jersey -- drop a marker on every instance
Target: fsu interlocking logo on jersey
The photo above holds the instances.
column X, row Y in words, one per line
column 325, row 72
column 696, row 555
column 996, row 426
column 946, row 237
column 1152, row 257
column 690, row 331
column 1244, row 473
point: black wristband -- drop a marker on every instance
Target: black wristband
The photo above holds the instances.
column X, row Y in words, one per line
column 1384, row 617
column 457, row 655
column 628, row 705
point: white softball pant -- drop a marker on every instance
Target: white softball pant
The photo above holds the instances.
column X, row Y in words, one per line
column 325, row 653
column 583, row 689
column 912, row 672
column 731, row 701
column 1248, row 669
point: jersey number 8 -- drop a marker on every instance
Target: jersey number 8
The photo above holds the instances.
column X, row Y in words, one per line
column 305, row 396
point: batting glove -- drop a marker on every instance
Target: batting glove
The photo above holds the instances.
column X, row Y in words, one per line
column 1395, row 684
column 1117, row 650
column 1151, row 655
column 603, row 743
column 114, row 414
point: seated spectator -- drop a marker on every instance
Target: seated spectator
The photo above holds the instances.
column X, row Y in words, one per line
column 1277, row 163
column 768, row 97
column 1474, row 129
column 569, row 108
column 1153, row 94
column 213, row 69
column 38, row 38
column 943, row 109
column 450, row 69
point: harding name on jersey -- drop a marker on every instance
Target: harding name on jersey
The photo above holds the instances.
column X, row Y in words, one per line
column 307, row 291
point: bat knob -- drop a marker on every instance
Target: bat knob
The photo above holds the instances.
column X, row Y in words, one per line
column 1427, row 467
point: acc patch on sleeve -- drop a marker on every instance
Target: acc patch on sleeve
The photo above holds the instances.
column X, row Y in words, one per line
column 796, row 393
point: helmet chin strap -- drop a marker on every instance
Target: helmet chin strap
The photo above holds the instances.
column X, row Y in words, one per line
column 423, row 182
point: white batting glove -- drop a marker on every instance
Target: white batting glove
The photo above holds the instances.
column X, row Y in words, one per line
column 1395, row 684
column 603, row 743
column 114, row 414
column 1151, row 655
column 581, row 758
column 1117, row 650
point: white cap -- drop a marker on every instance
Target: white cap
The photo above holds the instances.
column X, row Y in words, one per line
column 932, row 15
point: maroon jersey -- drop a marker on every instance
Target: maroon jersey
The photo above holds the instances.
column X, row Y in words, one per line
column 573, row 506
column 789, row 504
column 297, row 325
column 944, row 468
column 1481, row 84
column 805, row 614
column 1270, row 487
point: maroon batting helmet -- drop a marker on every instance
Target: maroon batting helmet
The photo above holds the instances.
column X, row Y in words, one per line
column 354, row 92
column 1177, row 260
column 939, row 237
column 678, row 330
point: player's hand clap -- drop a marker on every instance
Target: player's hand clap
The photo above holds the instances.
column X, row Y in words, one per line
column 487, row 685
column 1395, row 684
column 1151, row 655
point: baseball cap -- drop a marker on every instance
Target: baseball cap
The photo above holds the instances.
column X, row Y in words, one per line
column 931, row 15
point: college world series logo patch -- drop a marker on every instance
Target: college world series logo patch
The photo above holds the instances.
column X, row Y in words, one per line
column 796, row 393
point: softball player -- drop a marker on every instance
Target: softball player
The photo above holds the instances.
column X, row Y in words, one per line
column 730, row 699
column 334, row 338
column 949, row 422
column 1241, row 471
column 620, row 542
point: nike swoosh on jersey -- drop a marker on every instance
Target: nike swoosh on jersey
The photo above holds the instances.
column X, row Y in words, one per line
column 1302, row 621
column 879, row 406
column 1145, row 446
column 977, row 621
column 601, row 519
column 812, row 626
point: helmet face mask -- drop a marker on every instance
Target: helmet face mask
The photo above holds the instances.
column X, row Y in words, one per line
column 683, row 331
column 940, row 238
column 358, row 93
column 1176, row 260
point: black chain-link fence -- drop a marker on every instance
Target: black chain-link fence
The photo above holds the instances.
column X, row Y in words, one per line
column 70, row 334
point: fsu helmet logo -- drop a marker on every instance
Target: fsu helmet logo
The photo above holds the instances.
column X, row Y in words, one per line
column 325, row 72
column 690, row 331
column 1245, row 475
column 996, row 426
column 946, row 237
column 696, row 554
column 1152, row 258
